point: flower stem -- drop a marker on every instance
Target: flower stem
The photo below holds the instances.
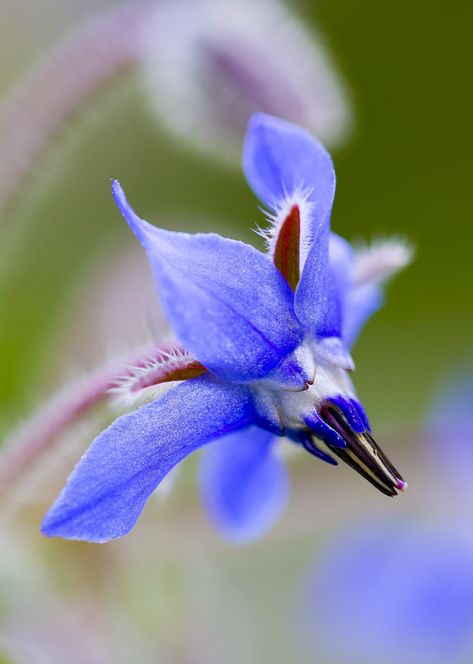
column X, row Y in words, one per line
column 25, row 445
column 66, row 78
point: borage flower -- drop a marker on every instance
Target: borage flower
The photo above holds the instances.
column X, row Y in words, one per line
column 266, row 341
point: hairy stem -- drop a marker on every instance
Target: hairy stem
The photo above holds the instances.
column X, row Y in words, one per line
column 66, row 78
column 25, row 445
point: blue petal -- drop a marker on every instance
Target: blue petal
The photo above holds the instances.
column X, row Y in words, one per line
column 323, row 431
column 354, row 413
column 107, row 491
column 279, row 159
column 227, row 303
column 290, row 375
column 360, row 304
column 244, row 484
column 310, row 444
column 317, row 302
column 341, row 263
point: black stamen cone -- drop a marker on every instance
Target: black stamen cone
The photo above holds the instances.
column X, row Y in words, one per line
column 363, row 454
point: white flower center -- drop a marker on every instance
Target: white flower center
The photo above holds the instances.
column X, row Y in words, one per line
column 291, row 407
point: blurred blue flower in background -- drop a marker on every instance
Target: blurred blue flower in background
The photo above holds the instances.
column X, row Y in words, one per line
column 265, row 353
column 392, row 592
column 449, row 437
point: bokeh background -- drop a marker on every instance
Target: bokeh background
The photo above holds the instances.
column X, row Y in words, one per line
column 74, row 289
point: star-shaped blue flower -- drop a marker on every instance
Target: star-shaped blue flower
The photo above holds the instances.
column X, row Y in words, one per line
column 265, row 353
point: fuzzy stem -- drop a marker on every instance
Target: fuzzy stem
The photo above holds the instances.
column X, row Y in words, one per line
column 66, row 78
column 26, row 444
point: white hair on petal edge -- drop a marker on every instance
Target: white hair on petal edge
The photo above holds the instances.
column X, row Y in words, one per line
column 148, row 381
column 299, row 198
column 381, row 260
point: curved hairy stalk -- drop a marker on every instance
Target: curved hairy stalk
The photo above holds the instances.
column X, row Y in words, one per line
column 64, row 81
column 25, row 445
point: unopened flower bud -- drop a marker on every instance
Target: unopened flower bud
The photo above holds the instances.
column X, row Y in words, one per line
column 208, row 66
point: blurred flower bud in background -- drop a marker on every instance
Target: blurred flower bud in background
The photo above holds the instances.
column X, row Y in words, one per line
column 392, row 592
column 209, row 65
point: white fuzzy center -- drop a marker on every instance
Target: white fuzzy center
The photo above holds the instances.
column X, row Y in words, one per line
column 291, row 407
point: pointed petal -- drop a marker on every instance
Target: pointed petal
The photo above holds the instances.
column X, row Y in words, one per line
column 291, row 374
column 280, row 158
column 318, row 301
column 108, row 489
column 336, row 282
column 244, row 484
column 227, row 303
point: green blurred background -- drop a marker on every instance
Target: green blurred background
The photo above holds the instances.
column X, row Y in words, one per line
column 171, row 591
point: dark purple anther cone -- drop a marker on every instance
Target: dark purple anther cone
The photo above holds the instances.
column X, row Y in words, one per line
column 341, row 428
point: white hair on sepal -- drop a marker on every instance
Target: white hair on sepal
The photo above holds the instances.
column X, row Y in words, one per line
column 148, row 381
column 380, row 260
column 124, row 399
column 300, row 198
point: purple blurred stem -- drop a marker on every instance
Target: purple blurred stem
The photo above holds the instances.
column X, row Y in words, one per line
column 63, row 81
column 25, row 445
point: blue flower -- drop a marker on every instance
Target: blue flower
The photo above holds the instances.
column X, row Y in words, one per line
column 265, row 353
column 393, row 592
